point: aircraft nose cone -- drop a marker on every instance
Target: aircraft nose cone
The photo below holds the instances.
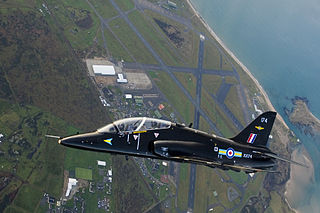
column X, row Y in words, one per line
column 80, row 140
column 63, row 141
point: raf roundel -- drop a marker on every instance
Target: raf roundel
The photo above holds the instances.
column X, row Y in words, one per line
column 230, row 153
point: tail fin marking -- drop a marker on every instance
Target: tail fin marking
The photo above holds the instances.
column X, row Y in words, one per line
column 258, row 131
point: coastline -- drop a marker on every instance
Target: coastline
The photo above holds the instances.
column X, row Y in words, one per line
column 215, row 36
column 296, row 173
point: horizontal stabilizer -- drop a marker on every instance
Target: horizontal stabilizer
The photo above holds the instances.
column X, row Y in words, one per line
column 281, row 158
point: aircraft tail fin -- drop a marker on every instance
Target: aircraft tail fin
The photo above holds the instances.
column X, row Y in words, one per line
column 258, row 131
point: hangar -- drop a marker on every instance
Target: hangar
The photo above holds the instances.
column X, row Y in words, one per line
column 103, row 70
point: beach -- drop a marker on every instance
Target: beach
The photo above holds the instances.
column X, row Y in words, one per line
column 298, row 174
column 300, row 177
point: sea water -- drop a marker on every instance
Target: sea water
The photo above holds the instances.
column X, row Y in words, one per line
column 279, row 42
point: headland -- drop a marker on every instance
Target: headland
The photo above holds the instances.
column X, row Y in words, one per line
column 301, row 117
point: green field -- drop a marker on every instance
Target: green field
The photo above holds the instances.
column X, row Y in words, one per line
column 183, row 187
column 174, row 95
column 211, row 56
column 131, row 41
column 82, row 173
column 125, row 5
column 104, row 8
column 76, row 19
column 37, row 161
column 54, row 75
column 204, row 126
column 153, row 34
column 190, row 47
column 232, row 101
column 216, row 115
column 189, row 82
column 238, row 177
column 212, row 83
column 208, row 181
column 117, row 51
column 253, row 186
column 28, row 198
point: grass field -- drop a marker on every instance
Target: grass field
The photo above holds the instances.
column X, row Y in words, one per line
column 212, row 83
column 211, row 56
column 104, row 8
column 174, row 95
column 28, row 198
column 54, row 75
column 190, row 47
column 204, row 126
column 154, row 36
column 232, row 101
column 131, row 41
column 216, row 115
column 116, row 50
column 253, row 186
column 92, row 200
column 38, row 161
column 183, row 188
column 277, row 204
column 77, row 20
column 83, row 173
column 247, row 82
column 208, row 181
column 189, row 82
column 125, row 5
column 238, row 177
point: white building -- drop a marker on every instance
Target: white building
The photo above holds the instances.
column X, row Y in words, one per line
column 101, row 163
column 103, row 70
column 128, row 96
column 72, row 182
column 121, row 79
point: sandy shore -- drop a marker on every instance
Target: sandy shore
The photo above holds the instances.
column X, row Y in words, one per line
column 214, row 35
column 300, row 177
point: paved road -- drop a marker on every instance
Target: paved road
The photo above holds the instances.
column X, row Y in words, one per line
column 130, row 65
column 193, row 168
column 223, row 91
column 104, row 40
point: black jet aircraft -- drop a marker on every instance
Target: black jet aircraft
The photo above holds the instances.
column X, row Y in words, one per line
column 160, row 139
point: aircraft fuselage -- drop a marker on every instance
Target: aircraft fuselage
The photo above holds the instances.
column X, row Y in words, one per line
column 177, row 143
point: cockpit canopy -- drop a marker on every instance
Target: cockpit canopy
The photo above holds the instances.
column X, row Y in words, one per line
column 135, row 124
